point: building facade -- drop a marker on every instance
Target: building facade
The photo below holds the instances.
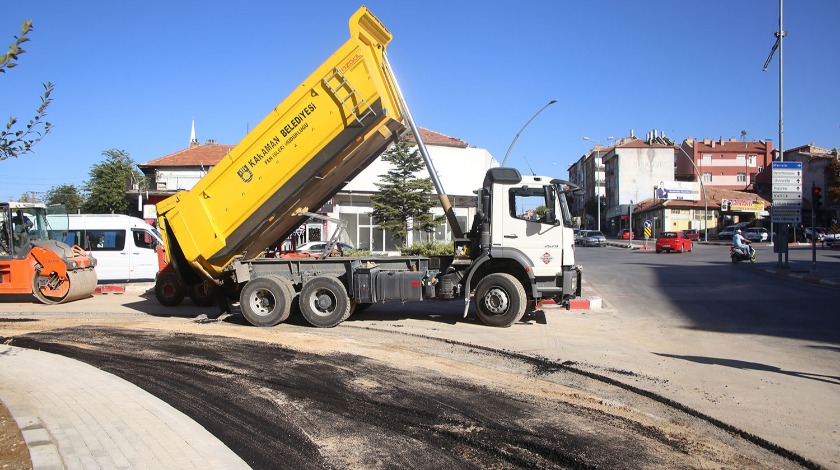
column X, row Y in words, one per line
column 460, row 168
column 633, row 170
column 724, row 164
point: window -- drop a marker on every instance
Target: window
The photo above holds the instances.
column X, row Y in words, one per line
column 529, row 203
column 442, row 233
column 142, row 239
column 751, row 160
column 105, row 240
column 742, row 177
column 707, row 176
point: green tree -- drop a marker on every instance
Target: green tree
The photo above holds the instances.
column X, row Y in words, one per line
column 68, row 195
column 108, row 182
column 404, row 200
column 15, row 141
column 28, row 197
column 832, row 180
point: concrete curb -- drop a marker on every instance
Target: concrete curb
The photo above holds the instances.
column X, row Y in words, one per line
column 808, row 277
column 133, row 288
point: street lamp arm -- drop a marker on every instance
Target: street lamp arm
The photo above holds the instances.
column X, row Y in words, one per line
column 705, row 198
column 523, row 128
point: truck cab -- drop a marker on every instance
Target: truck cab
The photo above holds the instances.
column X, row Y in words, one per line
column 523, row 231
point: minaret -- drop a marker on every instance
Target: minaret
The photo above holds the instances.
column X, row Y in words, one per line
column 193, row 140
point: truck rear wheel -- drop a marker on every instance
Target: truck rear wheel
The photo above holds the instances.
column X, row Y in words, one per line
column 204, row 293
column 324, row 302
column 168, row 290
column 267, row 301
column 500, row 300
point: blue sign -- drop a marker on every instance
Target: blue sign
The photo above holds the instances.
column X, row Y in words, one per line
column 648, row 223
column 787, row 165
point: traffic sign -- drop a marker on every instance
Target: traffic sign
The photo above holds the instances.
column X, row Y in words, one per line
column 789, row 204
column 786, row 180
column 787, row 173
column 786, row 166
column 787, row 188
column 793, row 219
column 781, row 195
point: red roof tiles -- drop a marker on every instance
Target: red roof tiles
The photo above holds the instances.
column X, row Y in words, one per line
column 210, row 154
column 196, row 155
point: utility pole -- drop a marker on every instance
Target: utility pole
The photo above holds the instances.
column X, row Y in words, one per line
column 782, row 229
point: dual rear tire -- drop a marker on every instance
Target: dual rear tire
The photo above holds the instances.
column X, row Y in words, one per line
column 323, row 301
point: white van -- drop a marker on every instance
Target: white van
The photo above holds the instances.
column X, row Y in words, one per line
column 125, row 247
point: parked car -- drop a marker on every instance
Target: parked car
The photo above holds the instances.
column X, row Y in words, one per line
column 673, row 241
column 757, row 234
column 319, row 247
column 577, row 236
column 624, row 234
column 729, row 231
column 692, row 234
column 592, row 238
column 831, row 239
column 125, row 247
column 809, row 233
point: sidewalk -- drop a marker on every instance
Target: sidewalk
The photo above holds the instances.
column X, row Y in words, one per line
column 75, row 416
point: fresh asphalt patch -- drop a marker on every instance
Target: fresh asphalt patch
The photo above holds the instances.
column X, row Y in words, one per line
column 279, row 406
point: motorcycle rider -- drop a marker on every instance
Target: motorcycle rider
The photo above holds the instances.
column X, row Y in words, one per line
column 739, row 242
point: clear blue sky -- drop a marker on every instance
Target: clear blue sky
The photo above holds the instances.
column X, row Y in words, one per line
column 133, row 75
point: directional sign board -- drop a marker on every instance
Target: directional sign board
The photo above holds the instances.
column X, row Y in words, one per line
column 787, row 193
column 787, row 188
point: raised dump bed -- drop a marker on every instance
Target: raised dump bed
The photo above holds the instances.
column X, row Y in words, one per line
column 323, row 134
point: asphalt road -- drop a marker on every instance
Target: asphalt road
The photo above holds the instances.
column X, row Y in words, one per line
column 757, row 350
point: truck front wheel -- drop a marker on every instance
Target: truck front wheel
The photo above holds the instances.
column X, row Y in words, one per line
column 324, row 302
column 500, row 300
column 266, row 301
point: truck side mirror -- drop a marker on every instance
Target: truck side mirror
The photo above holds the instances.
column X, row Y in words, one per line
column 549, row 217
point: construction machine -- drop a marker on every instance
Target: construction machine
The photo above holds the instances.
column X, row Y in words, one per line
column 34, row 258
column 329, row 129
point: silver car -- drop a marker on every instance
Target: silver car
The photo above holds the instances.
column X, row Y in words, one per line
column 592, row 238
column 757, row 234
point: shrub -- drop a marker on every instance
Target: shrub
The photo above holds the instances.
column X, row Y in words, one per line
column 428, row 249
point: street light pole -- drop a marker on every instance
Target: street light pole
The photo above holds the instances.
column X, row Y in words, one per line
column 705, row 198
column 523, row 128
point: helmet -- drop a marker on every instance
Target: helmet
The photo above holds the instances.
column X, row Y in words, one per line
column 738, row 231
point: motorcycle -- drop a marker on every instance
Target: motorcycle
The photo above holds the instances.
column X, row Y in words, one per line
column 738, row 254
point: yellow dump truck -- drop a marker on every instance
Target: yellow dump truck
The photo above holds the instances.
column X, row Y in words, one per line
column 337, row 122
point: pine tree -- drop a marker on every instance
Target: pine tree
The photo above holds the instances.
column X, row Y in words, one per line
column 404, row 200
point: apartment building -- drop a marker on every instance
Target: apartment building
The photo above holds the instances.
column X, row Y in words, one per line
column 725, row 164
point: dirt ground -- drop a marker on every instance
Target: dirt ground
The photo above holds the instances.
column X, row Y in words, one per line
column 13, row 451
column 351, row 397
